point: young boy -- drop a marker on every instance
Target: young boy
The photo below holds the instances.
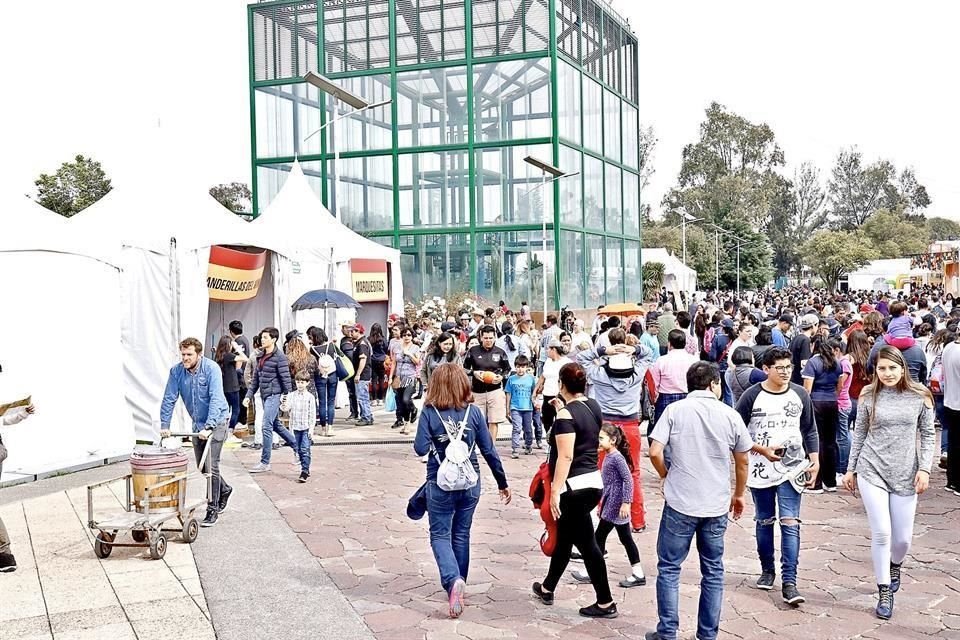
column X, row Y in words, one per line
column 303, row 415
column 520, row 400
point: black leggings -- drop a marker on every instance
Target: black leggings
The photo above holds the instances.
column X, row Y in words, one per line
column 405, row 404
column 626, row 539
column 827, row 415
column 378, row 383
column 547, row 413
column 575, row 529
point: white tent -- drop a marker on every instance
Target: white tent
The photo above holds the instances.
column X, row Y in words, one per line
column 296, row 212
column 676, row 274
column 61, row 323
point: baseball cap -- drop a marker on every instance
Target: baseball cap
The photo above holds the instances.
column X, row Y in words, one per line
column 727, row 322
column 394, row 317
column 359, row 328
column 788, row 318
column 809, row 320
column 447, row 326
column 464, row 316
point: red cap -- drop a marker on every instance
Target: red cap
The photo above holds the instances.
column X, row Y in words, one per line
column 394, row 317
column 865, row 308
column 359, row 328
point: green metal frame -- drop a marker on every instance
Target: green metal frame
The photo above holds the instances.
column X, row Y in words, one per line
column 472, row 145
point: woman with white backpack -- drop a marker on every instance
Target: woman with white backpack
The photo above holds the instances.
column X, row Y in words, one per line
column 326, row 353
column 451, row 430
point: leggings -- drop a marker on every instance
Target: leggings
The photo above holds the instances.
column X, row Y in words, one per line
column 404, row 397
column 891, row 526
column 575, row 529
column 626, row 539
column 378, row 380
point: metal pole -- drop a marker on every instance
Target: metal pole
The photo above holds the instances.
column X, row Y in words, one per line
column 336, row 168
column 683, row 233
column 738, row 269
column 716, row 239
column 543, row 218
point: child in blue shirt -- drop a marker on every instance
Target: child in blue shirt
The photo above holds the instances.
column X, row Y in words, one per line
column 520, row 401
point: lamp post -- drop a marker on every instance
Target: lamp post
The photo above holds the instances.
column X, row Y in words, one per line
column 359, row 105
column 685, row 218
column 557, row 173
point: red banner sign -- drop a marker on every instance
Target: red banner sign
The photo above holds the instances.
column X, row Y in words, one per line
column 234, row 275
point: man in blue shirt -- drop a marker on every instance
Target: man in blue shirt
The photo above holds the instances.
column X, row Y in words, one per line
column 198, row 381
column 780, row 331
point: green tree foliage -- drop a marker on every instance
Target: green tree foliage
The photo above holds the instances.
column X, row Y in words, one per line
column 857, row 190
column 893, row 236
column 834, row 253
column 653, row 275
column 796, row 213
column 235, row 196
column 74, row 187
column 942, row 229
column 730, row 173
column 756, row 258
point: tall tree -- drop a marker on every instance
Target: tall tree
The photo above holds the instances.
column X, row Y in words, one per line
column 892, row 235
column 730, row 173
column 797, row 213
column 74, row 187
column 648, row 144
column 942, row 229
column 913, row 195
column 833, row 254
column 235, row 196
column 857, row 190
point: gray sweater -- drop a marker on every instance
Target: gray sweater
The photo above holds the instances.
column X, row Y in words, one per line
column 885, row 454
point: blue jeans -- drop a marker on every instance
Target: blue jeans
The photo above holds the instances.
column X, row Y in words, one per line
column 944, row 431
column 727, row 396
column 673, row 544
column 522, row 422
column 766, row 503
column 327, row 400
column 233, row 399
column 363, row 399
column 843, row 439
column 302, row 438
column 451, row 515
column 271, row 423
column 538, row 425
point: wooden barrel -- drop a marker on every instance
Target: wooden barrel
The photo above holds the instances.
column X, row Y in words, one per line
column 150, row 465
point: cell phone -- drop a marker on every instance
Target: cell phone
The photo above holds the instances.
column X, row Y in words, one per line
column 782, row 451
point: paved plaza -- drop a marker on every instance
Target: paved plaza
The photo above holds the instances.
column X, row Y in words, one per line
column 337, row 558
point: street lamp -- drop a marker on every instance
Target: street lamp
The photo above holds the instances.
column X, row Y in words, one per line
column 557, row 173
column 685, row 218
column 359, row 105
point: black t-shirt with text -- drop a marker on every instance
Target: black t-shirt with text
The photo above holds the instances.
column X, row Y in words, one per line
column 362, row 348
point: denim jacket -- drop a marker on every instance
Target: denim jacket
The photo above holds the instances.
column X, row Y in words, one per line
column 202, row 395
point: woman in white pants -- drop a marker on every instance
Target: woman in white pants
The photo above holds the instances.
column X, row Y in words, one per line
column 888, row 467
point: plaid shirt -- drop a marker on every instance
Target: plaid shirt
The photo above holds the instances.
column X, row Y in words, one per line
column 303, row 410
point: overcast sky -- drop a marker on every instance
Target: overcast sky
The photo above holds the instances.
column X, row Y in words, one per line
column 96, row 77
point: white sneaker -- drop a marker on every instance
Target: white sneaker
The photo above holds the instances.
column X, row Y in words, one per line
column 580, row 576
column 260, row 468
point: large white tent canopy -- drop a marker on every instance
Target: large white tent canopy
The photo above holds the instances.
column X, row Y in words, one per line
column 676, row 274
column 61, row 327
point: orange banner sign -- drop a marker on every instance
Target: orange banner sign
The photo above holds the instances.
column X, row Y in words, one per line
column 369, row 280
column 234, row 275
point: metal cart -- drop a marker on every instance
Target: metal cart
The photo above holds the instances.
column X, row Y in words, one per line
column 147, row 529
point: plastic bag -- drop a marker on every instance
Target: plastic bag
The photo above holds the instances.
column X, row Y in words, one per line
column 390, row 401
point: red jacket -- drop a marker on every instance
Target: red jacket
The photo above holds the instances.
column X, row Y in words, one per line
column 540, row 488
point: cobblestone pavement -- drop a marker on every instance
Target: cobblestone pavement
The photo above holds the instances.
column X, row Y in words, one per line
column 351, row 517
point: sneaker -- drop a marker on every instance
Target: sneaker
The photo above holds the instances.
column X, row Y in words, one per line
column 211, row 518
column 815, row 492
column 303, row 477
column 413, row 415
column 364, row 423
column 260, row 468
column 884, row 602
column 256, row 447
column 275, row 446
column 829, row 489
column 575, row 555
column 637, row 530
column 397, row 424
column 580, row 576
column 353, row 416
column 456, row 597
column 224, row 498
column 894, row 577
column 766, row 579
column 653, row 635
column 791, row 595
column 528, row 451
column 514, row 454
column 943, row 460
column 633, row 581
column 539, row 445
column 596, row 611
column 7, row 563
column 545, row 597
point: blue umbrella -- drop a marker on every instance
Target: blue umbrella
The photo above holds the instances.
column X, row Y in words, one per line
column 325, row 299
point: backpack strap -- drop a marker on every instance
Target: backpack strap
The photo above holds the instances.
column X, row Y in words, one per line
column 458, row 435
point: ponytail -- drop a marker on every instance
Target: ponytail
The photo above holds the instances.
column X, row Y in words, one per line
column 615, row 433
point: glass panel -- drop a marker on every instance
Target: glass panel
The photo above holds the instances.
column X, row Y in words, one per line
column 510, row 267
column 612, row 145
column 435, row 264
column 386, row 241
column 537, row 21
column 590, row 25
column 571, row 269
column 434, row 189
column 454, row 31
column 509, row 190
column 512, row 100
column 613, row 193
column 271, row 177
column 614, row 270
column 571, row 198
column 631, row 271
column 378, row 34
column 631, row 204
column 631, row 128
column 568, row 27
column 592, row 115
column 432, row 107
column 592, row 192
column 371, row 129
column 364, row 192
column 593, row 265
column 568, row 97
column 284, row 41
column 286, row 115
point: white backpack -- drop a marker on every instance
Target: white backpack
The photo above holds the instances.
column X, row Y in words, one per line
column 456, row 471
column 325, row 362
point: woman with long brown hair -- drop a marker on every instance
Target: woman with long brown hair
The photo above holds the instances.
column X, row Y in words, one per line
column 889, row 468
column 447, row 416
column 230, row 360
column 873, row 325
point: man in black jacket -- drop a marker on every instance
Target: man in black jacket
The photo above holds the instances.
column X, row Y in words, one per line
column 347, row 346
column 488, row 395
column 271, row 376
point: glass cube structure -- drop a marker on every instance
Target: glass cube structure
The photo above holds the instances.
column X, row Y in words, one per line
column 475, row 86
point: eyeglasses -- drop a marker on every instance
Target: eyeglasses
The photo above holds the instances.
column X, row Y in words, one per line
column 783, row 369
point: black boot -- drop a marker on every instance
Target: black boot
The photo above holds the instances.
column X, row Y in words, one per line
column 885, row 602
column 895, row 577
